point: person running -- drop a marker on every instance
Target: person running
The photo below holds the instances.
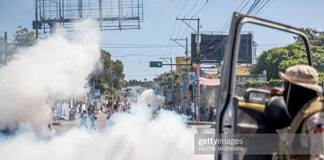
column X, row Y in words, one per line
column 113, row 111
column 92, row 119
column 83, row 117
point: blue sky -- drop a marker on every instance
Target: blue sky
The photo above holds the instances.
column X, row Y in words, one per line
column 159, row 21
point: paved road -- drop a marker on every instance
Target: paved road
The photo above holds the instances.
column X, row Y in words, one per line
column 65, row 125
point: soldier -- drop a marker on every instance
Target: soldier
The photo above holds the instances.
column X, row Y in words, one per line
column 305, row 108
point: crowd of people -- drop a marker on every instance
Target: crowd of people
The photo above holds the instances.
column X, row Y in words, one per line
column 84, row 115
column 88, row 117
column 208, row 114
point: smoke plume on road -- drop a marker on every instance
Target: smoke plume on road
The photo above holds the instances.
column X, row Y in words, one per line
column 148, row 97
column 57, row 68
column 54, row 69
column 130, row 136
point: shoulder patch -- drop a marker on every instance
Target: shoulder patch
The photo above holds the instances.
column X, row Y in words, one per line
column 320, row 127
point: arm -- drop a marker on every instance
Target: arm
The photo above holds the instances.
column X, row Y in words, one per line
column 276, row 91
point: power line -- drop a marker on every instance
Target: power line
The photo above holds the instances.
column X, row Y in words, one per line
column 237, row 9
column 262, row 7
column 255, row 3
column 253, row 6
column 177, row 36
column 184, row 5
column 127, row 55
column 193, row 7
column 140, row 64
column 222, row 30
column 182, row 37
column 182, row 8
column 257, row 7
column 136, row 46
column 200, row 9
column 133, row 44
column 174, row 24
column 173, row 51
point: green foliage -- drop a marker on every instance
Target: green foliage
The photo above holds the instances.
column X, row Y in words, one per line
column 256, row 84
column 110, row 77
column 316, row 37
column 279, row 59
column 275, row 83
column 24, row 36
column 165, row 80
column 253, row 84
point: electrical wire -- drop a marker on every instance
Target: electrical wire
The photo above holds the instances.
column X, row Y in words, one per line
column 204, row 5
column 223, row 29
column 193, row 7
column 263, row 7
column 133, row 54
column 175, row 21
column 257, row 7
column 255, row 3
column 182, row 8
column 140, row 64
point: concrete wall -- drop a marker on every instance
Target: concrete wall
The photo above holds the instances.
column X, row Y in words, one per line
column 212, row 92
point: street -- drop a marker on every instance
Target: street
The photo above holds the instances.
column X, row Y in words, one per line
column 62, row 126
column 161, row 79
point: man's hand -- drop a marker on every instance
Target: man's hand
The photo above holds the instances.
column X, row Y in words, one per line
column 276, row 91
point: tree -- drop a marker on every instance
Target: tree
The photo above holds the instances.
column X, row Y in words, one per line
column 117, row 73
column 167, row 79
column 24, row 36
column 279, row 59
column 316, row 37
column 110, row 77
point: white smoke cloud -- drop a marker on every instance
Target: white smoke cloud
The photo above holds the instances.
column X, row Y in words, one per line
column 148, row 97
column 133, row 136
column 58, row 68
column 55, row 68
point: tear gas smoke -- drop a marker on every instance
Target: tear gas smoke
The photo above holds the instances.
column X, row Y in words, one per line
column 133, row 136
column 148, row 97
column 55, row 68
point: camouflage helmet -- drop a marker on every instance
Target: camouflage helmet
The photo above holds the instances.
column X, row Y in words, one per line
column 302, row 75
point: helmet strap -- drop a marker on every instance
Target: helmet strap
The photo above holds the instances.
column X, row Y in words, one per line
column 287, row 100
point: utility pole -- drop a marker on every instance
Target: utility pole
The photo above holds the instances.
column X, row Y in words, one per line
column 186, row 85
column 187, row 69
column 198, row 60
column 36, row 17
column 171, row 76
column 6, row 48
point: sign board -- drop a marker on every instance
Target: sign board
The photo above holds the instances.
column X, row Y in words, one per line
column 192, row 77
column 212, row 48
column 96, row 94
column 181, row 86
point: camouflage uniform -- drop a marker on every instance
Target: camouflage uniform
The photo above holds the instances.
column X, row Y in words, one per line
column 310, row 118
column 310, row 127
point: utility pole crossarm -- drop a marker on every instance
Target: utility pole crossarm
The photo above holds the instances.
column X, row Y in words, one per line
column 176, row 41
column 188, row 19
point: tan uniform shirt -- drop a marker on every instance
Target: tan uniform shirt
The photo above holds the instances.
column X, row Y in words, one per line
column 313, row 126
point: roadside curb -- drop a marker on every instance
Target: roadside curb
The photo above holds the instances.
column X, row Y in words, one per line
column 200, row 123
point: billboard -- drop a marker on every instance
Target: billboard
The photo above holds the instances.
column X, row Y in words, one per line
column 212, row 48
column 108, row 14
